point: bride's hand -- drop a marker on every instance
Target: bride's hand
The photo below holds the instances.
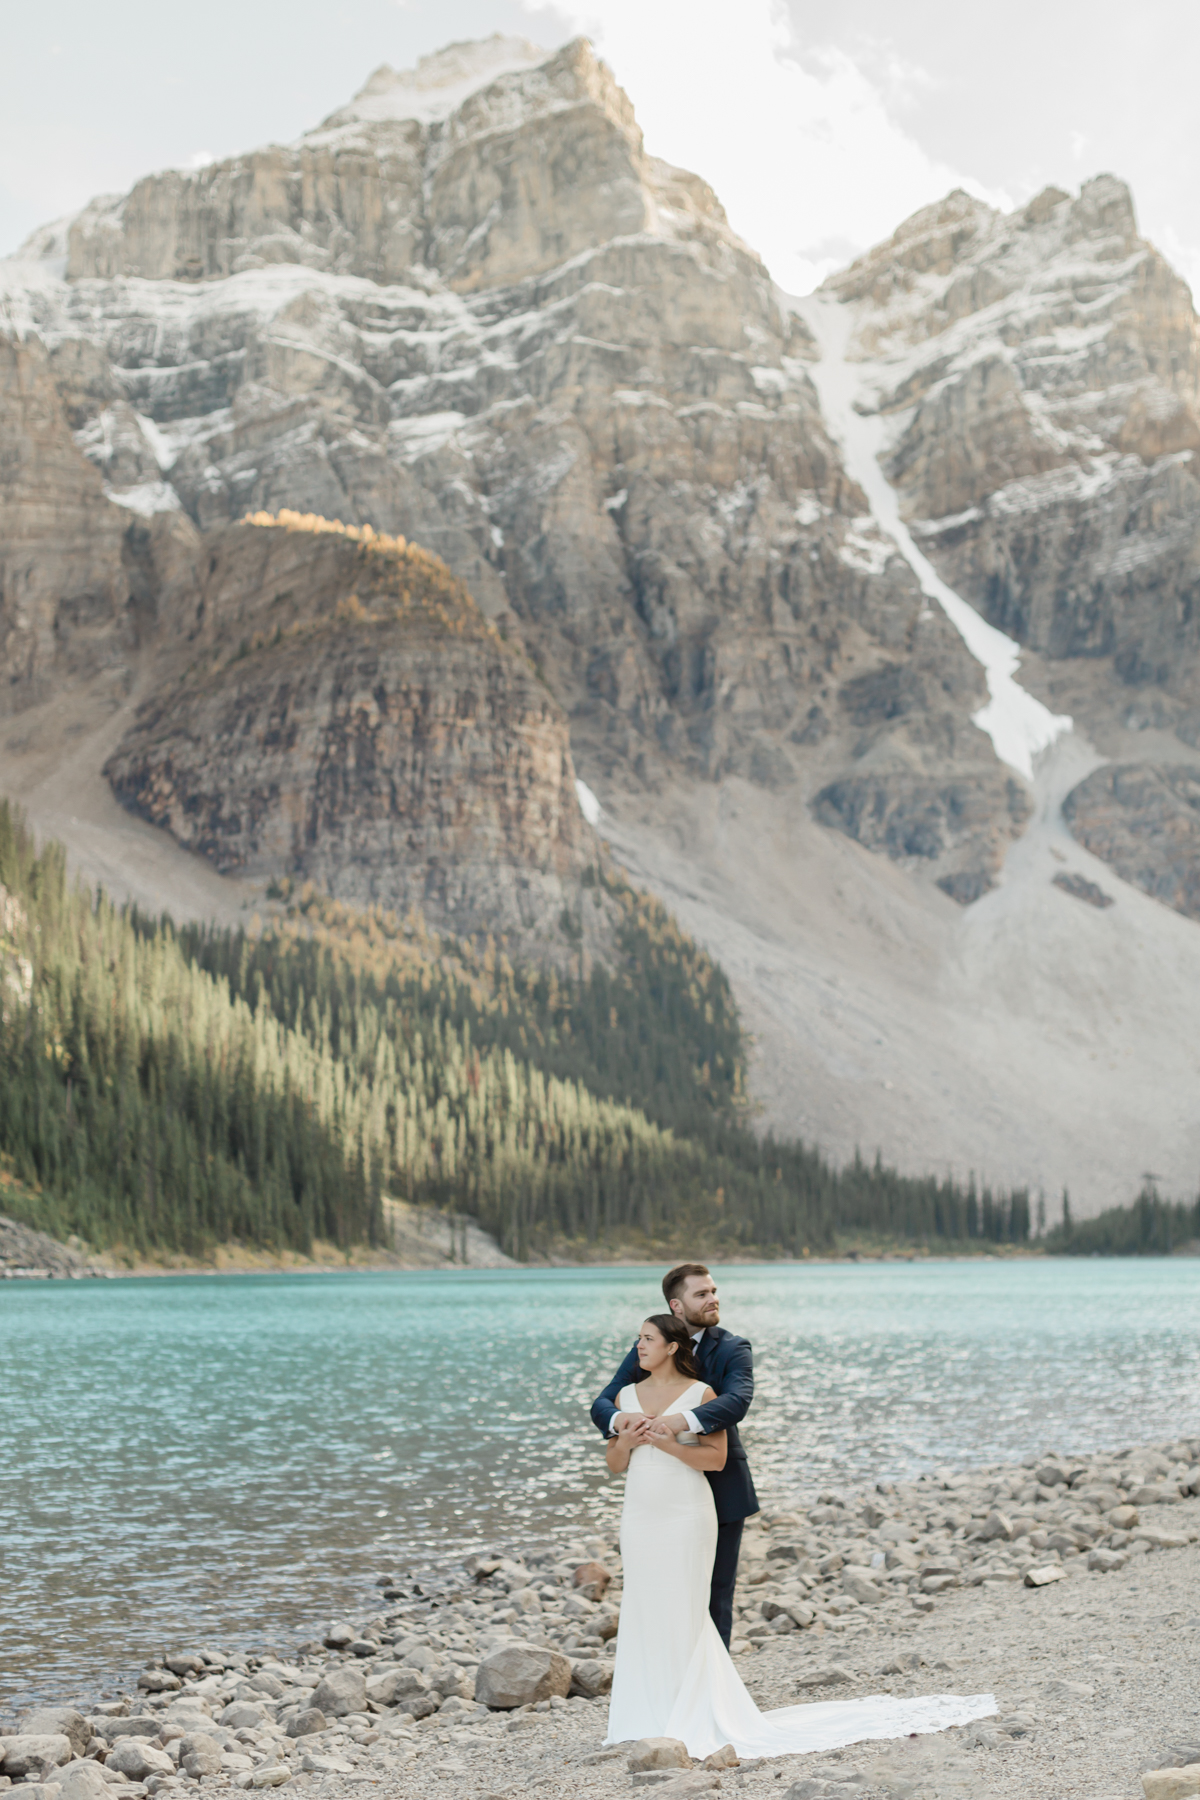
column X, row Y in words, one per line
column 659, row 1431
column 670, row 1425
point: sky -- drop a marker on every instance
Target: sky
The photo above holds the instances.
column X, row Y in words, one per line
column 820, row 123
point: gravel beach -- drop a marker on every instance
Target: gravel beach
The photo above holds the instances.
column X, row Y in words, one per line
column 1068, row 1587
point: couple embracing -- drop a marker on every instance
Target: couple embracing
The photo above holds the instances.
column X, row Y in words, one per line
column 670, row 1415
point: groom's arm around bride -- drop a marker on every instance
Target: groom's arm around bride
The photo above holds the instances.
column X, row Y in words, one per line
column 727, row 1365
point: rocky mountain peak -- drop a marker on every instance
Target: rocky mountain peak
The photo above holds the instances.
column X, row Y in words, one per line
column 436, row 170
column 438, row 84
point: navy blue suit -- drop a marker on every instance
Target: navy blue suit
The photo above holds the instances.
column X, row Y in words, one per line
column 727, row 1365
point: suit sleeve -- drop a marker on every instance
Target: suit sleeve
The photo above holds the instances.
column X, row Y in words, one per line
column 737, row 1391
column 605, row 1404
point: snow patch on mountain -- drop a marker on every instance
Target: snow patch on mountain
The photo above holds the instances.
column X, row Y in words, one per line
column 1020, row 727
column 439, row 84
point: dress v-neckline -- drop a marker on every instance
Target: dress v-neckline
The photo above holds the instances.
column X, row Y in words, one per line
column 676, row 1404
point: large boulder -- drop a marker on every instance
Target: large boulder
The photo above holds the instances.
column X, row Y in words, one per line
column 392, row 1686
column 136, row 1759
column 29, row 1752
column 145, row 1725
column 53, row 1720
column 200, row 1754
column 518, row 1674
column 82, row 1781
column 341, row 1691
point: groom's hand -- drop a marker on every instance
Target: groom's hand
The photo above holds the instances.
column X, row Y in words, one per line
column 670, row 1425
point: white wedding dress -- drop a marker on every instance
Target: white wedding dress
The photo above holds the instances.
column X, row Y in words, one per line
column 673, row 1675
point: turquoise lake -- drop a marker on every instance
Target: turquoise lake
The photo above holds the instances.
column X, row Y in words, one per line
column 231, row 1460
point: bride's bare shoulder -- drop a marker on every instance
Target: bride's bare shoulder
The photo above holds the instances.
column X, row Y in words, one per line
column 707, row 1395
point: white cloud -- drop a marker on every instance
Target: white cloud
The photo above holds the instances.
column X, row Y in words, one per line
column 798, row 141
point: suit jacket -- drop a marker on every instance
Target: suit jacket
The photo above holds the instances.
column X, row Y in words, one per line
column 727, row 1366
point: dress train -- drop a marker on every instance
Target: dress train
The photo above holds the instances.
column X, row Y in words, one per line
column 674, row 1677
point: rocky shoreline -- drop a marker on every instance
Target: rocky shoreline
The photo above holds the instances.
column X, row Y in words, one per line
column 492, row 1682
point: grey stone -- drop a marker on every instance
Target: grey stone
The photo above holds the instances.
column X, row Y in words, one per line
column 1106, row 1560
column 200, row 1754
column 266, row 1683
column 60, row 1719
column 996, row 1525
column 657, row 1753
column 683, row 1785
column 185, row 1663
column 341, row 1691
column 242, row 1715
column 272, row 1775
column 28, row 1752
column 518, row 1674
column 1171, row 1784
column 146, row 1725
column 446, row 1679
column 1044, row 1576
column 305, row 1723
column 832, row 1675
column 590, row 1677
column 393, row 1685
column 82, row 1781
column 858, row 1584
column 136, row 1758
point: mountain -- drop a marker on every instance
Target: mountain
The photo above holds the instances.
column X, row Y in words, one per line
column 1039, row 374
column 808, row 584
column 345, row 715
column 471, row 310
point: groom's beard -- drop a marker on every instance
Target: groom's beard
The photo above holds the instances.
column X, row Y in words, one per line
column 696, row 1321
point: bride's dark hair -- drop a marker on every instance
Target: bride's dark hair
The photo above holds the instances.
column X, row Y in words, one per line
column 676, row 1332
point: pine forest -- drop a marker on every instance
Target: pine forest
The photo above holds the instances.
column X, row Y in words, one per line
column 167, row 1088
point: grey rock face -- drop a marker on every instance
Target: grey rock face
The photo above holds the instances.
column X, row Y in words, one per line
column 1145, row 820
column 500, row 328
column 1044, row 367
column 373, row 734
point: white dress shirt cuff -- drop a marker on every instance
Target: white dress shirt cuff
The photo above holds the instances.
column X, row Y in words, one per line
column 693, row 1423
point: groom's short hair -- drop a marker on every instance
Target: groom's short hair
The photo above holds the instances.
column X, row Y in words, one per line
column 673, row 1281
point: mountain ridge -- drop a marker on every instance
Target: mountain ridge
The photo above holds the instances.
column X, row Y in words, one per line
column 603, row 419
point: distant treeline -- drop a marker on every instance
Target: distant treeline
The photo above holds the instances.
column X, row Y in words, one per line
column 1150, row 1227
column 171, row 1088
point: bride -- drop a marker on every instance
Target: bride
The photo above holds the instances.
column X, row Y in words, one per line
column 673, row 1675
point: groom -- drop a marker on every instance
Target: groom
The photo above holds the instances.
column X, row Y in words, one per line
column 727, row 1366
